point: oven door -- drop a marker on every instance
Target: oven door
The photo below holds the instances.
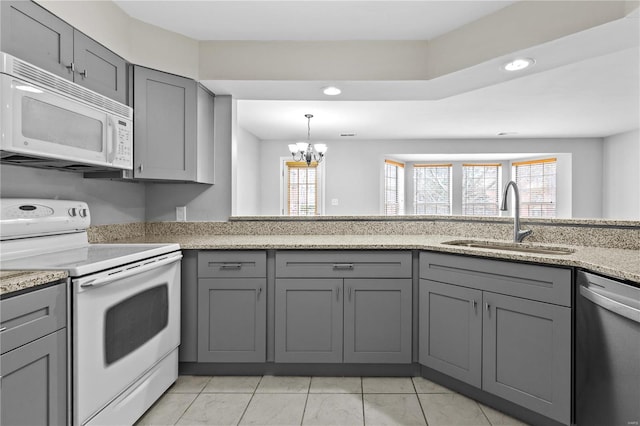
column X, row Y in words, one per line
column 125, row 321
column 40, row 122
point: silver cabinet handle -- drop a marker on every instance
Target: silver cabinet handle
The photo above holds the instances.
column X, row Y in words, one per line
column 475, row 305
column 259, row 293
column 343, row 266
column 71, row 67
column 2, row 329
column 337, row 293
column 84, row 74
column 349, row 293
column 231, row 266
column 140, row 168
column 487, row 307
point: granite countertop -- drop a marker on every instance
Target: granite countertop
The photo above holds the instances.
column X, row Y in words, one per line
column 616, row 263
column 11, row 281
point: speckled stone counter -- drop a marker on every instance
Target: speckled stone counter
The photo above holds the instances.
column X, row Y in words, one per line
column 13, row 281
column 617, row 263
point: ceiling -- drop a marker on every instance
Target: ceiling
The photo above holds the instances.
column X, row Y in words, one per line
column 310, row 20
column 584, row 85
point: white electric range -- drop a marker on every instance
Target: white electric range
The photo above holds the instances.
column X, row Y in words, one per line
column 125, row 304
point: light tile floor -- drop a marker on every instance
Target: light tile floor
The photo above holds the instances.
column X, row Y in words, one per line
column 321, row 401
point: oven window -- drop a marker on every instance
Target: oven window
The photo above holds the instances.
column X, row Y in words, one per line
column 134, row 321
column 49, row 123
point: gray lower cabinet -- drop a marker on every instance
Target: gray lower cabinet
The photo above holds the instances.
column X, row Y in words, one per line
column 451, row 330
column 231, row 306
column 527, row 354
column 34, row 382
column 37, row 36
column 232, row 319
column 33, row 363
column 308, row 323
column 475, row 326
column 377, row 321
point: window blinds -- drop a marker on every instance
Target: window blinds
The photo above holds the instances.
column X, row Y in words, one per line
column 432, row 189
column 537, row 183
column 480, row 189
column 302, row 187
column 393, row 188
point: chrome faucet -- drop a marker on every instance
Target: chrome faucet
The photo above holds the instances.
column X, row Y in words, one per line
column 518, row 235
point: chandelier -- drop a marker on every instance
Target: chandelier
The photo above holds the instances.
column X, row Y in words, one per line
column 303, row 151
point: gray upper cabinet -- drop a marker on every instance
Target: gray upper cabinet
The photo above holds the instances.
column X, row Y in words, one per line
column 35, row 35
column 527, row 354
column 164, row 125
column 377, row 321
column 173, row 128
column 472, row 328
column 451, row 330
column 33, row 364
column 99, row 69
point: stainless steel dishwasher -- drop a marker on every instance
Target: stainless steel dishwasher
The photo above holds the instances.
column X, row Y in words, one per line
column 607, row 352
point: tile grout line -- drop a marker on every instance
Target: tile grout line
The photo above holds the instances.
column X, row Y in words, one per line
column 194, row 400
column 304, row 410
column 364, row 422
column 424, row 415
column 250, row 399
column 483, row 413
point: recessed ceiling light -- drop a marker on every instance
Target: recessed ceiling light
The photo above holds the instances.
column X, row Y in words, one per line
column 331, row 91
column 519, row 64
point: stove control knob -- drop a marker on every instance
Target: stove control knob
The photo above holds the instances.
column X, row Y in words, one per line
column 83, row 212
column 73, row 212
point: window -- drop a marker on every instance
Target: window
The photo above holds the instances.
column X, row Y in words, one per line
column 432, row 188
column 537, row 183
column 480, row 189
column 393, row 188
column 302, row 188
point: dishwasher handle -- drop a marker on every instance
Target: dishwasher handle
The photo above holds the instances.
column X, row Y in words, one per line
column 612, row 305
column 131, row 271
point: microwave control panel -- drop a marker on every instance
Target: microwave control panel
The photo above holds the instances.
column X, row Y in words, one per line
column 123, row 156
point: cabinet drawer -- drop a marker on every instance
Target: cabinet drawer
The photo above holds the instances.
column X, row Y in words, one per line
column 343, row 264
column 542, row 283
column 232, row 264
column 32, row 315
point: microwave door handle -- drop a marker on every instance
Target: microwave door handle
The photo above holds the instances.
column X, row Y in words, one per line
column 130, row 272
column 112, row 136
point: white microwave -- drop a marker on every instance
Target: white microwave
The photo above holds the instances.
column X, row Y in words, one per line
column 47, row 121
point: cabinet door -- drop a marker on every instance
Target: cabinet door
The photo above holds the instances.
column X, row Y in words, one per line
column 205, row 136
column 308, row 323
column 34, row 390
column 527, row 354
column 232, row 320
column 450, row 330
column 98, row 68
column 164, row 126
column 33, row 34
column 377, row 321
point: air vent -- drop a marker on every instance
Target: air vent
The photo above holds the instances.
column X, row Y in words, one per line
column 347, row 134
column 44, row 78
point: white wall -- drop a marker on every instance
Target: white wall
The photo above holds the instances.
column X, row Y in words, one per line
column 621, row 176
column 109, row 201
column 353, row 169
column 248, row 174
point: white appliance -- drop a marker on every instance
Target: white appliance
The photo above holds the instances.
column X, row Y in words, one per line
column 124, row 302
column 49, row 122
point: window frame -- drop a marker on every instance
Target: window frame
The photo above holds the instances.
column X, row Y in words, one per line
column 449, row 167
column 525, row 206
column 498, row 189
column 284, row 186
column 399, row 188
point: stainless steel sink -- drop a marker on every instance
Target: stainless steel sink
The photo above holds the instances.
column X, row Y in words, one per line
column 526, row 248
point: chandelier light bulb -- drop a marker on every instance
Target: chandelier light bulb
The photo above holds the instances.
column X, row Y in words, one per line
column 304, row 151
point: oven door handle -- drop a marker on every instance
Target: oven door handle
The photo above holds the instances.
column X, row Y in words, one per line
column 131, row 271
